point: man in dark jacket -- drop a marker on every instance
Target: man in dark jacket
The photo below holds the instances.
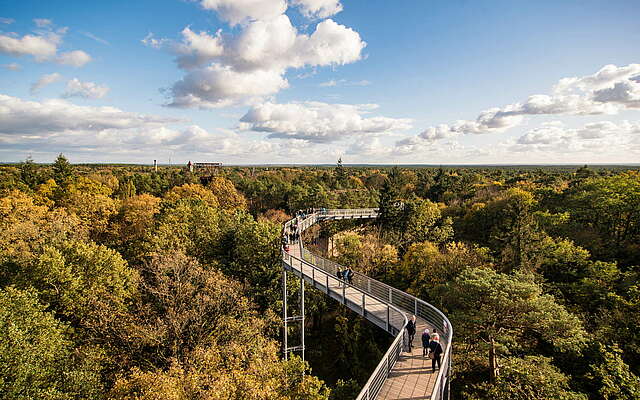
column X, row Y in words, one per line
column 411, row 330
column 349, row 275
column 436, row 349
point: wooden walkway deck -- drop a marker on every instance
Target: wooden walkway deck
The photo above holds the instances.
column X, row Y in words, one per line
column 411, row 377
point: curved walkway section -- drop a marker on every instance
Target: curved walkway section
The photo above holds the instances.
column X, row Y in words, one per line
column 403, row 373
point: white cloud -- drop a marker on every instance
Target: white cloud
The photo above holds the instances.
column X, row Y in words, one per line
column 318, row 122
column 76, row 58
column 20, row 117
column 7, row 21
column 12, row 66
column 606, row 92
column 330, row 44
column 87, row 90
column 44, row 81
column 218, row 86
column 198, row 48
column 369, row 147
column 107, row 133
column 606, row 77
column 556, row 137
column 253, row 64
column 626, row 93
column 238, row 11
column 197, row 139
column 318, row 8
column 42, row 22
column 41, row 47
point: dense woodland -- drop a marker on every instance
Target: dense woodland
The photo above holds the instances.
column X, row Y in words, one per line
column 120, row 282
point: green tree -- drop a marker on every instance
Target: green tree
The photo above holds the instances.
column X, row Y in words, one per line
column 609, row 209
column 440, row 184
column 228, row 196
column 509, row 312
column 345, row 390
column 62, row 170
column 126, row 189
column 426, row 266
column 187, row 303
column 390, row 206
column 37, row 358
column 88, row 285
column 610, row 377
column 340, row 173
column 29, row 173
column 525, row 379
column 421, row 220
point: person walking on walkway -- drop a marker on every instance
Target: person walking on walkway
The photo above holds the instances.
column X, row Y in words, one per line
column 339, row 275
column 411, row 330
column 435, row 335
column 426, row 338
column 349, row 275
column 435, row 352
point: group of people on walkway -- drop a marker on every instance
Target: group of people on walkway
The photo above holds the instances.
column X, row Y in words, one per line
column 345, row 275
column 290, row 236
column 431, row 346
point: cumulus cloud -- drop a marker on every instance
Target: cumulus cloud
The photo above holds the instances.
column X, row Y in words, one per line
column 44, row 81
column 12, row 66
column 226, row 69
column 606, row 77
column 76, row 58
column 198, row 48
column 43, row 46
column 608, row 91
column 318, row 122
column 238, row 11
column 556, row 137
column 54, row 126
column 318, row 8
column 241, row 11
column 20, row 117
column 87, row 90
column 7, row 21
column 253, row 64
column 220, row 86
column 196, row 139
column 369, row 147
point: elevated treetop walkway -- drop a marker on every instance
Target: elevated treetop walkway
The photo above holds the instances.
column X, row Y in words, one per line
column 403, row 373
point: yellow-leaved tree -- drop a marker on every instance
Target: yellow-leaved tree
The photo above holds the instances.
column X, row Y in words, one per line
column 227, row 194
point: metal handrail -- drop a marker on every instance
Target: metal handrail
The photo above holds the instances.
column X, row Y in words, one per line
column 400, row 301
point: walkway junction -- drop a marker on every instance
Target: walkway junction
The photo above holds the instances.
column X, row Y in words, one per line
column 402, row 373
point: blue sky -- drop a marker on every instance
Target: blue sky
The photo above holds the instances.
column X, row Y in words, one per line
column 308, row 81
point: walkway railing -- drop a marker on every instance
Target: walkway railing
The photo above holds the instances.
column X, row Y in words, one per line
column 398, row 304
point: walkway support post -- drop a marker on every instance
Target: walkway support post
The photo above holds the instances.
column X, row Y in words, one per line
column 302, row 310
column 285, row 331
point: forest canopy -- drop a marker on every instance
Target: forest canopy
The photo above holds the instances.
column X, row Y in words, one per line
column 122, row 282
